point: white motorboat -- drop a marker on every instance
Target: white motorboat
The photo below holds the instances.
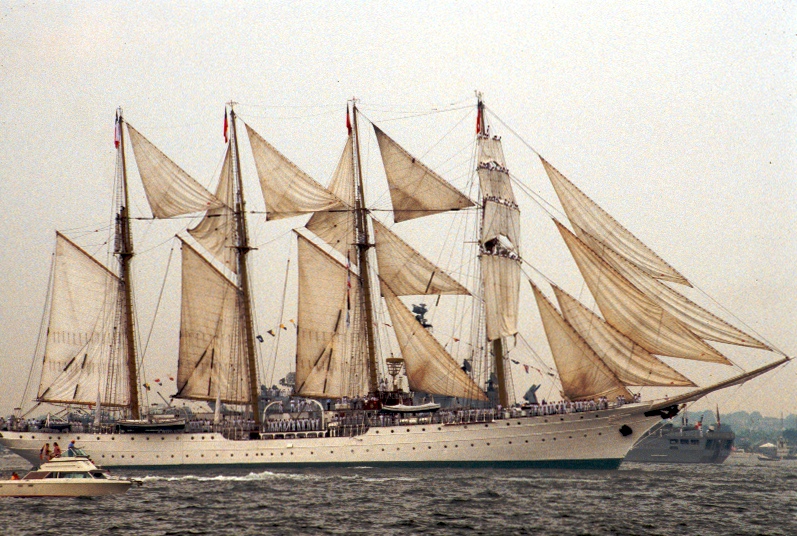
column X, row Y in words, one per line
column 69, row 475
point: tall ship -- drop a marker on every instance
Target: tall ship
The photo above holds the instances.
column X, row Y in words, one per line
column 361, row 352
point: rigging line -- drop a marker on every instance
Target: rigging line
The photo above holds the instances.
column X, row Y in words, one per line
column 246, row 117
column 157, row 305
column 742, row 322
column 41, row 337
column 281, row 318
column 412, row 115
column 278, row 237
column 510, row 129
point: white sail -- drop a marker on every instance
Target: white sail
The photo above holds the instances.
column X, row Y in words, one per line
column 170, row 190
column 330, row 354
column 83, row 342
column 500, row 241
column 631, row 363
column 212, row 362
column 429, row 367
column 287, row 190
column 583, row 374
column 501, row 277
column 337, row 228
column 501, row 219
column 216, row 231
column 587, row 217
column 408, row 272
column 632, row 312
column 415, row 190
column 703, row 323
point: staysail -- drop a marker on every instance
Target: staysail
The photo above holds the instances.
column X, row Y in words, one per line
column 583, row 373
column 82, row 346
column 170, row 190
column 213, row 361
column 415, row 190
column 632, row 312
column 216, row 231
column 330, row 353
column 337, row 227
column 700, row 321
column 631, row 363
column 406, row 271
column 429, row 367
column 590, row 219
column 287, row 190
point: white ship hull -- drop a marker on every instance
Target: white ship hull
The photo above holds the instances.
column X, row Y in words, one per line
column 585, row 439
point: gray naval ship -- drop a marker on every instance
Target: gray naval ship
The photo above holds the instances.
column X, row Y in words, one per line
column 668, row 443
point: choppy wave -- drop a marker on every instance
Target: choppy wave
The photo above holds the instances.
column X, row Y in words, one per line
column 734, row 498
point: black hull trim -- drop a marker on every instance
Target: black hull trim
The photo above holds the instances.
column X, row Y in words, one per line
column 604, row 464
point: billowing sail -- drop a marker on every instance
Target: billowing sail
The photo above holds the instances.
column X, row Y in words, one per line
column 632, row 312
column 170, row 190
column 212, row 362
column 216, row 231
column 703, row 323
column 500, row 241
column 415, row 190
column 83, row 349
column 287, row 190
column 583, row 374
column 330, row 353
column 406, row 271
column 587, row 217
column 337, row 228
column 429, row 367
column 631, row 363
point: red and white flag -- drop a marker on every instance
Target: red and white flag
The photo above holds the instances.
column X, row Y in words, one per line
column 226, row 126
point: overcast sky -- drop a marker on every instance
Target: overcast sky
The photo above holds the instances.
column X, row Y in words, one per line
column 680, row 118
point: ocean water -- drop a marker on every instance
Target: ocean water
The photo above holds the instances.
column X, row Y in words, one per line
column 744, row 496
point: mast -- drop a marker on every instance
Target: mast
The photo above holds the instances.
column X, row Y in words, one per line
column 497, row 344
column 363, row 243
column 242, row 249
column 123, row 246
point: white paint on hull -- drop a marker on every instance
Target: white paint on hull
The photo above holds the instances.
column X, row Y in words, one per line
column 575, row 437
